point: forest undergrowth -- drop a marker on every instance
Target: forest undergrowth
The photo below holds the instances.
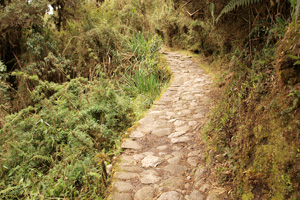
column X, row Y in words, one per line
column 72, row 83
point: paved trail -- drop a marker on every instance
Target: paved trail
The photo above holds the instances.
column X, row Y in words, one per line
column 162, row 157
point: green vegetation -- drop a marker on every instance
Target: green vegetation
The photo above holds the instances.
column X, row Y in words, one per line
column 72, row 83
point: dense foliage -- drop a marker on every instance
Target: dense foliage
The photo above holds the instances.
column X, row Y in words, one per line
column 72, row 82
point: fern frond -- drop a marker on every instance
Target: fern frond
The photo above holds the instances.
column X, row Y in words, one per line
column 233, row 4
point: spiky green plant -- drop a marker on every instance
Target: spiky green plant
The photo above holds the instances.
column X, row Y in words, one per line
column 233, row 4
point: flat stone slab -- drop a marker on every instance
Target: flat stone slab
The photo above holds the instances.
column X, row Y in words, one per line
column 136, row 134
column 149, row 177
column 162, row 132
column 172, row 195
column 151, row 161
column 176, row 134
column 193, row 161
column 129, row 144
column 118, row 196
column 173, row 183
column 175, row 169
column 180, row 139
column 123, row 186
column 196, row 195
column 145, row 193
column 125, row 175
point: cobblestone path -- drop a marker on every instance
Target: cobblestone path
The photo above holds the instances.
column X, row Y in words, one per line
column 162, row 156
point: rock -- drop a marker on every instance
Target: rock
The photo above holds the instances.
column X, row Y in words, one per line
column 170, row 114
column 175, row 160
column 175, row 169
column 136, row 134
column 125, row 175
column 161, row 148
column 127, row 160
column 129, row 144
column 198, row 116
column 118, row 196
column 193, row 161
column 149, row 177
column 179, row 123
column 204, row 187
column 130, row 169
column 151, row 161
column 196, row 195
column 162, row 132
column 145, row 193
column 199, row 173
column 176, row 148
column 193, row 153
column 172, row 195
column 182, row 129
column 138, row 156
column 192, row 123
column 172, row 183
column 150, row 153
column 123, row 186
column 180, row 140
column 212, row 197
column 176, row 134
column 109, row 169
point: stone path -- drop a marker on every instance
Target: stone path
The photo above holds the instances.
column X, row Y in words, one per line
column 162, row 158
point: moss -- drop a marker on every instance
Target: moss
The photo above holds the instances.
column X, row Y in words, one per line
column 256, row 127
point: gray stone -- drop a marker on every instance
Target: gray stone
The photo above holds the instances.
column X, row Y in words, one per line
column 199, row 173
column 212, row 197
column 125, row 175
column 149, row 177
column 129, row 144
column 146, row 120
column 151, row 161
column 118, row 196
column 109, row 169
column 149, row 153
column 138, row 156
column 130, row 169
column 196, row 195
column 172, row 195
column 136, row 134
column 175, row 169
column 204, row 187
column 145, row 193
column 164, row 147
column 192, row 123
column 176, row 159
column 170, row 114
column 162, row 132
column 198, row 116
column 123, row 186
column 193, row 153
column 176, row 134
column 193, row 161
column 180, row 140
column 182, row 129
column 127, row 160
column 179, row 123
column 172, row 183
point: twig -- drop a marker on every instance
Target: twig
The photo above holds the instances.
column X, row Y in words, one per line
column 187, row 3
column 191, row 14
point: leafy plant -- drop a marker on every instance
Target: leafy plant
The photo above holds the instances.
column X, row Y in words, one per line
column 233, row 4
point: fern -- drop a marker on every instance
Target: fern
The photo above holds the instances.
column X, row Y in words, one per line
column 233, row 4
